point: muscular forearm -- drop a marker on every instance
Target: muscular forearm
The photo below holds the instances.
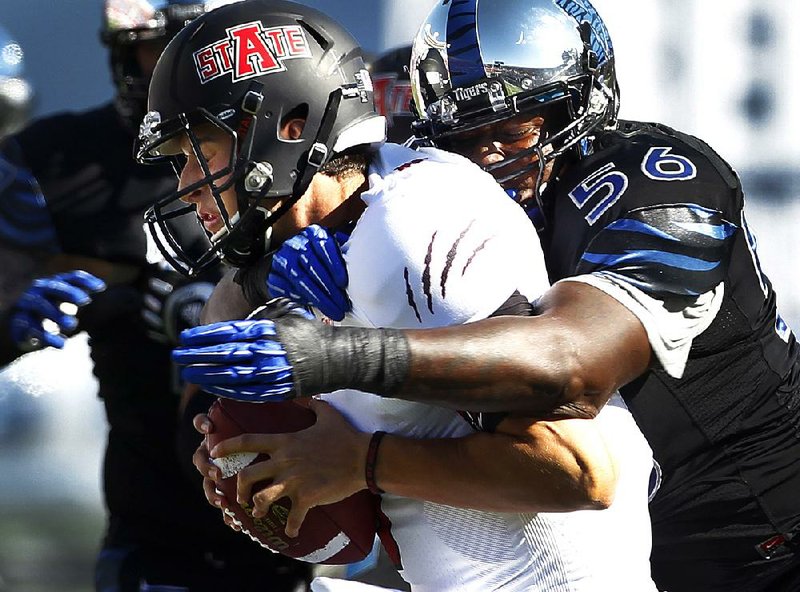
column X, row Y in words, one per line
column 564, row 362
column 547, row 467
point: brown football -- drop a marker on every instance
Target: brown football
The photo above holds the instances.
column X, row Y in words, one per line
column 334, row 534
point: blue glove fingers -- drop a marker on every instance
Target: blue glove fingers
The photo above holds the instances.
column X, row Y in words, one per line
column 333, row 303
column 226, row 332
column 24, row 327
column 300, row 258
column 327, row 249
column 279, row 282
column 298, row 290
column 82, row 279
column 36, row 305
column 251, row 395
column 50, row 339
column 316, row 263
column 38, row 308
column 228, row 353
column 308, row 268
column 250, row 376
column 329, row 271
column 58, row 291
column 291, row 262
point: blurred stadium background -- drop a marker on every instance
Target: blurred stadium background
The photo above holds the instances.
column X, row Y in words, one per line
column 720, row 69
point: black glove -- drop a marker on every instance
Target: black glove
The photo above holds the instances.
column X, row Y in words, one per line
column 172, row 302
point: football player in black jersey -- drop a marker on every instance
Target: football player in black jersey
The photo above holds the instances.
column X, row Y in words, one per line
column 73, row 197
column 658, row 291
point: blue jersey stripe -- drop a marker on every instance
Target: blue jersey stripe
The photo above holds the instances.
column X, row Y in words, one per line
column 645, row 257
column 679, row 249
column 629, row 225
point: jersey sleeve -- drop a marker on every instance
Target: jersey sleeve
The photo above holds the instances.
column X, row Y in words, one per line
column 440, row 244
column 662, row 215
column 665, row 251
column 667, row 265
column 671, row 323
column 25, row 221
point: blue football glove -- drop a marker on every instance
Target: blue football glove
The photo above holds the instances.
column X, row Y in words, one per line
column 309, row 269
column 240, row 360
column 289, row 354
column 41, row 302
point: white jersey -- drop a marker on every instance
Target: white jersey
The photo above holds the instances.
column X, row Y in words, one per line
column 441, row 243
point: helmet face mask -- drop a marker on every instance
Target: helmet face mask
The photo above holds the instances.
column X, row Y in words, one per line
column 159, row 143
column 478, row 63
column 246, row 69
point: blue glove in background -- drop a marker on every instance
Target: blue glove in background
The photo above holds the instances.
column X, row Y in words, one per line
column 41, row 302
column 309, row 269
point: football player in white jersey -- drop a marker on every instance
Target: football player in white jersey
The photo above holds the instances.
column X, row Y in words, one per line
column 475, row 501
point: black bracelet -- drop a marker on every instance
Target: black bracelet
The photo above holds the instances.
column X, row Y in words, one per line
column 372, row 458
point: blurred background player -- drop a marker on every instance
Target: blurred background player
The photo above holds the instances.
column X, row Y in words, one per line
column 17, row 261
column 73, row 198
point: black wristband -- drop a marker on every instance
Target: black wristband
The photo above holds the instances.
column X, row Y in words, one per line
column 372, row 460
column 326, row 358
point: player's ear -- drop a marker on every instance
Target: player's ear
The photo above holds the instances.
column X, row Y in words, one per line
column 293, row 129
column 294, row 122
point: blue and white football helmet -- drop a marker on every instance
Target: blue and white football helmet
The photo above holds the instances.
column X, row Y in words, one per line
column 478, row 62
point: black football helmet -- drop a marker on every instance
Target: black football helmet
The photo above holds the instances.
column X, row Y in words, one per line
column 243, row 68
column 15, row 92
column 128, row 23
column 478, row 62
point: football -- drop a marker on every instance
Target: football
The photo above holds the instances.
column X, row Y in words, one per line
column 335, row 534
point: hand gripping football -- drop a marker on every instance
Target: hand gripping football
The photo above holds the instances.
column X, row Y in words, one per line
column 334, row 534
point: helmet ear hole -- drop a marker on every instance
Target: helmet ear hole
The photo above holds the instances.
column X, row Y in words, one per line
column 293, row 123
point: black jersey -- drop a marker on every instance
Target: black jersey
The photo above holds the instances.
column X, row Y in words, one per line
column 660, row 211
column 95, row 195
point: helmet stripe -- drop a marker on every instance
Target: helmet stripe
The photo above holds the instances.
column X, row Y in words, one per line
column 464, row 52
